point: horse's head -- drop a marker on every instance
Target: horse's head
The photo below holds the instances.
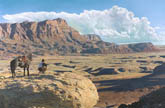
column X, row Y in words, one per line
column 19, row 58
column 21, row 61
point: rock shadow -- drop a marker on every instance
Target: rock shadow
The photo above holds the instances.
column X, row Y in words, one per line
column 73, row 62
column 68, row 66
column 57, row 64
column 61, row 71
column 156, row 78
column 106, row 71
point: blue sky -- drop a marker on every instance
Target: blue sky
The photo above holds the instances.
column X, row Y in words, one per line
column 153, row 10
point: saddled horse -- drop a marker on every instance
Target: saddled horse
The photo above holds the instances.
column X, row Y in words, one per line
column 21, row 61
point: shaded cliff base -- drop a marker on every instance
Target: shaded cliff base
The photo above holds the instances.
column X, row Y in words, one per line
column 154, row 99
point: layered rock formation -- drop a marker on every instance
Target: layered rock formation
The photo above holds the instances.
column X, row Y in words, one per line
column 65, row 90
column 56, row 37
column 93, row 37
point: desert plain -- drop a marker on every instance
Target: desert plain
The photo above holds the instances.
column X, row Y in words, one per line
column 119, row 78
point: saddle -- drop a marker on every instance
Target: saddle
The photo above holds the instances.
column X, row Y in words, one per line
column 24, row 59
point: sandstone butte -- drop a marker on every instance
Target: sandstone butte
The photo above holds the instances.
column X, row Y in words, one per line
column 64, row 90
column 57, row 37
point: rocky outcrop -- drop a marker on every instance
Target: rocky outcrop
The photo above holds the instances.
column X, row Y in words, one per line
column 156, row 98
column 139, row 47
column 64, row 90
column 152, row 100
column 159, row 69
column 57, row 37
column 93, row 37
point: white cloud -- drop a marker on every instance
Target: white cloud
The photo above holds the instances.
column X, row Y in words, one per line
column 114, row 25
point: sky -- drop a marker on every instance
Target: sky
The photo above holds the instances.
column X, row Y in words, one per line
column 119, row 21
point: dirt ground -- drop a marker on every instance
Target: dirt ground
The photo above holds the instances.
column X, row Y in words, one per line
column 119, row 78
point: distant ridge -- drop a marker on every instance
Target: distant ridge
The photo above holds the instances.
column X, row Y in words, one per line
column 57, row 37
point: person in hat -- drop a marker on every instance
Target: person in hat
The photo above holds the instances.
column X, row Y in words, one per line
column 42, row 67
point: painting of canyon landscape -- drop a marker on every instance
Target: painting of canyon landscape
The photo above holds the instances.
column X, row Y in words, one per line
column 82, row 54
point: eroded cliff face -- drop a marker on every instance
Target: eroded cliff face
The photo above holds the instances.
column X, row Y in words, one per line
column 42, row 37
column 55, row 37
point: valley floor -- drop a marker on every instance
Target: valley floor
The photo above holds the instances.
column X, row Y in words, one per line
column 119, row 78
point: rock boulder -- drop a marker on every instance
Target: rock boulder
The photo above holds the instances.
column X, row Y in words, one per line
column 64, row 90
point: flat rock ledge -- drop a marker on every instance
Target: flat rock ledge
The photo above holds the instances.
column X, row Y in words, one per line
column 64, row 90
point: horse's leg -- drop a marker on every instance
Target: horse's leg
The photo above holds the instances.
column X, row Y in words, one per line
column 13, row 73
column 24, row 71
column 28, row 70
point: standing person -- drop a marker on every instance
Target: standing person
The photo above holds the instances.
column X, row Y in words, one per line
column 42, row 67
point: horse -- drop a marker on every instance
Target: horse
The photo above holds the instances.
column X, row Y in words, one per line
column 22, row 62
